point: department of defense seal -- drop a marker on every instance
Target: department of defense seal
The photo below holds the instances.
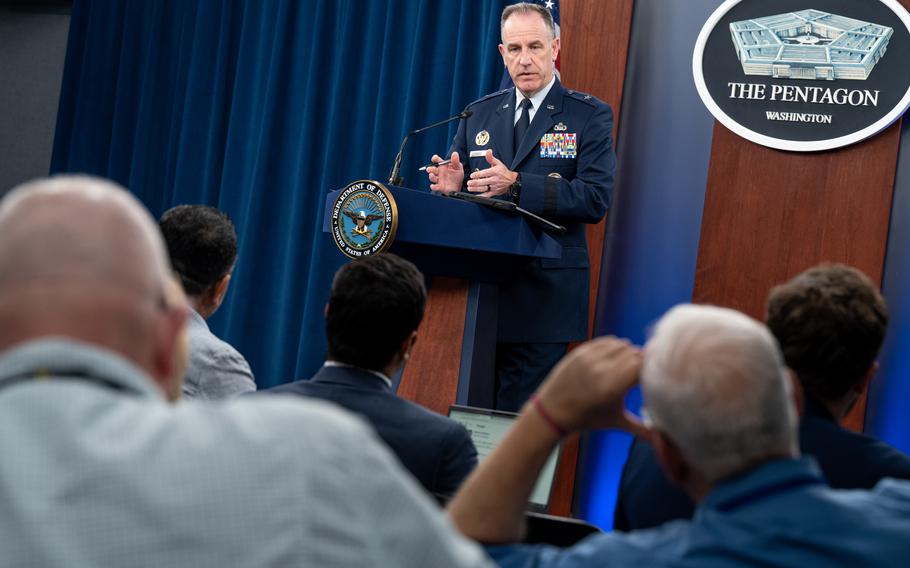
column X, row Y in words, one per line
column 482, row 138
column 364, row 219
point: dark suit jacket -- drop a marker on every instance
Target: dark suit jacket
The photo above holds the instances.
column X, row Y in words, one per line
column 848, row 459
column 437, row 450
column 547, row 302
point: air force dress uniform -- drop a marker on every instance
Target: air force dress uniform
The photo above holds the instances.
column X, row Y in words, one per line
column 566, row 164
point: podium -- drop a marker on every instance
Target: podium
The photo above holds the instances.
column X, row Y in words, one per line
column 466, row 248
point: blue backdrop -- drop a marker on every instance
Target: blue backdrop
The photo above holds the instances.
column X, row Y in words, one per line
column 259, row 108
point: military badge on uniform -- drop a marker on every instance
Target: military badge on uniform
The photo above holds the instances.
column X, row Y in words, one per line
column 560, row 127
column 559, row 145
column 364, row 219
column 482, row 138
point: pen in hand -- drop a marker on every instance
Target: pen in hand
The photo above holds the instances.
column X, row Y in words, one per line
column 442, row 163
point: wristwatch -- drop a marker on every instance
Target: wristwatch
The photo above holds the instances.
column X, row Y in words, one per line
column 515, row 188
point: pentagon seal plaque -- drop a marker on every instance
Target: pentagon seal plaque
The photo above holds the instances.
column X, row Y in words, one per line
column 805, row 75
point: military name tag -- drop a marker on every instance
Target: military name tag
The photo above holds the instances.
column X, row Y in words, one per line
column 559, row 145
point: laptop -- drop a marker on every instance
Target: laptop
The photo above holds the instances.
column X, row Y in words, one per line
column 487, row 428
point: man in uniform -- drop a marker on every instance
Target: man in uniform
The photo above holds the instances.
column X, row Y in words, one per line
column 549, row 150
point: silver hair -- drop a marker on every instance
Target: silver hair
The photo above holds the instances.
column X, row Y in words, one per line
column 528, row 8
column 714, row 382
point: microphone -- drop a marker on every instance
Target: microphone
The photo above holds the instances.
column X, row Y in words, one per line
column 395, row 175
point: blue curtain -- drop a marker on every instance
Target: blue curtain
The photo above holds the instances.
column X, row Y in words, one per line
column 259, row 108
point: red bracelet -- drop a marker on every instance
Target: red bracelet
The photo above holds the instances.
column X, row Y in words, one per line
column 560, row 431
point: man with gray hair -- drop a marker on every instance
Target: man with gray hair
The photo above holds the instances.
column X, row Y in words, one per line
column 829, row 322
column 723, row 421
column 101, row 468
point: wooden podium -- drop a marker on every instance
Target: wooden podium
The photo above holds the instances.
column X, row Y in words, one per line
column 466, row 248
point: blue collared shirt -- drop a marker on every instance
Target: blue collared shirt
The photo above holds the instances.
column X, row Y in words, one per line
column 780, row 514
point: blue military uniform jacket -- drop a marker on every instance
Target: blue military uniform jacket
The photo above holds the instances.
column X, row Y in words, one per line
column 437, row 450
column 567, row 168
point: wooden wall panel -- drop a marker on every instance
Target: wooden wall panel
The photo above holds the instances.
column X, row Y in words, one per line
column 771, row 214
column 430, row 377
column 595, row 46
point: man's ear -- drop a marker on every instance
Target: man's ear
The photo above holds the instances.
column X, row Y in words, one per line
column 407, row 345
column 555, row 48
column 210, row 300
column 862, row 385
column 171, row 350
column 219, row 289
column 799, row 398
column 670, row 458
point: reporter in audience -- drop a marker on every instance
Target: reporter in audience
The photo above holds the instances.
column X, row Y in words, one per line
column 723, row 422
column 202, row 244
column 830, row 322
column 371, row 322
column 100, row 468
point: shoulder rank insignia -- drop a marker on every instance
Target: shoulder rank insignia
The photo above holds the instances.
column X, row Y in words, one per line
column 490, row 96
column 587, row 97
column 560, row 127
column 482, row 138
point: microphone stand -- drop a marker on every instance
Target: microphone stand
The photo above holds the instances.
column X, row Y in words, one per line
column 395, row 177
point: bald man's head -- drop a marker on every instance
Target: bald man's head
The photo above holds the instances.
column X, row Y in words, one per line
column 81, row 258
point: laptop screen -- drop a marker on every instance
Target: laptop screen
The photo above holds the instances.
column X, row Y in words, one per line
column 487, row 428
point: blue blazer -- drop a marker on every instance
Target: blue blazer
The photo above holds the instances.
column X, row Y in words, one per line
column 547, row 301
column 437, row 450
column 848, row 459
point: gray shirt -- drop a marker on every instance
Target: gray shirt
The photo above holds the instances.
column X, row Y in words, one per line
column 216, row 370
column 99, row 470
